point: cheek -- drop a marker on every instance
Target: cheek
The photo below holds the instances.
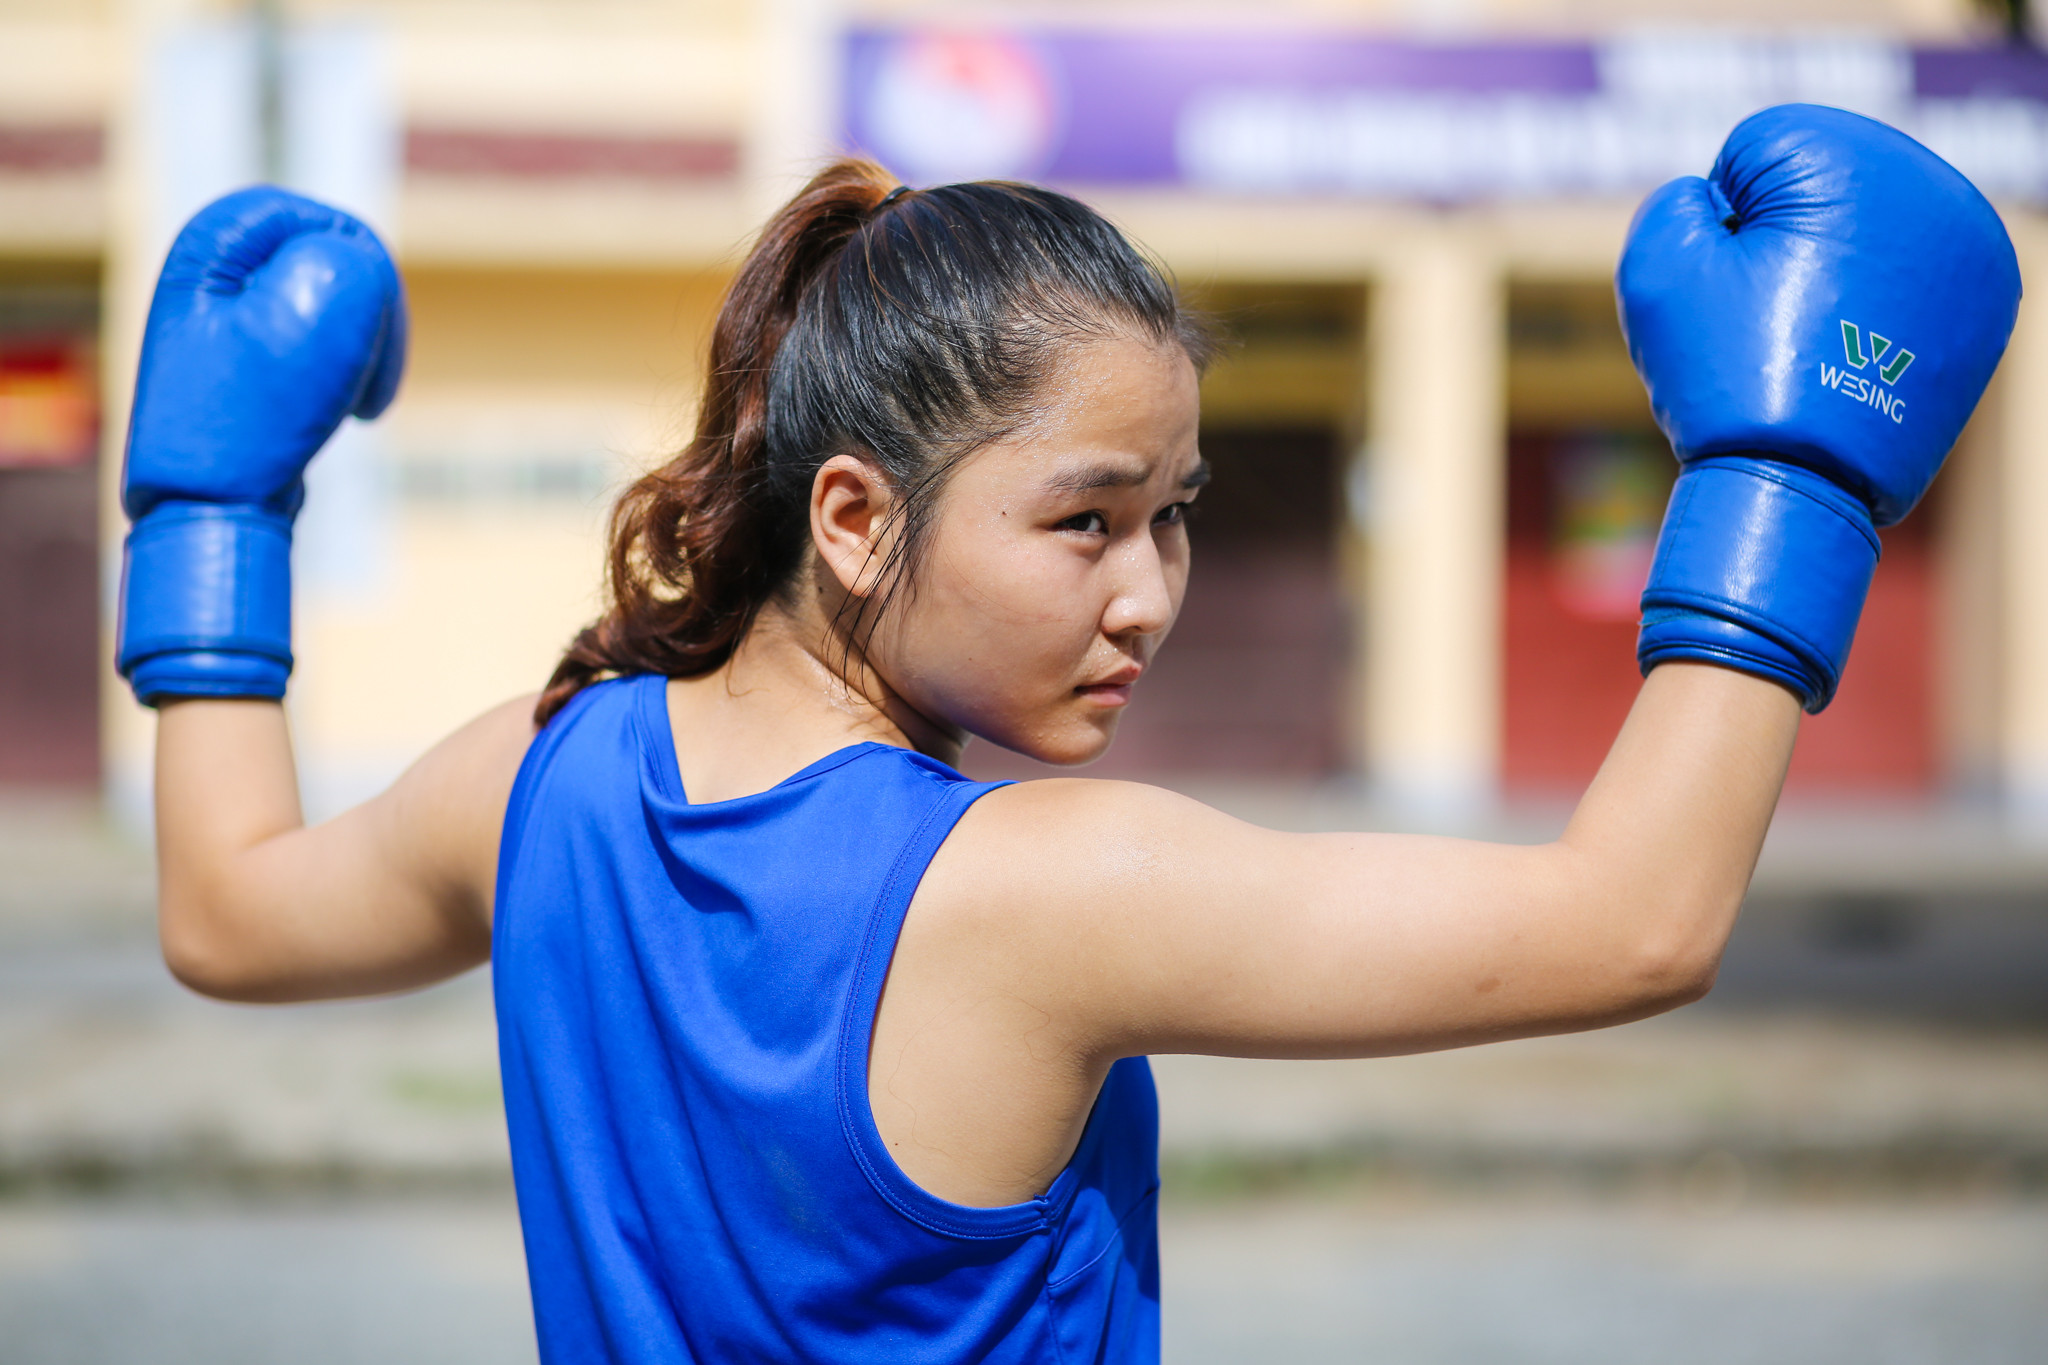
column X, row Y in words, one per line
column 1174, row 558
column 1015, row 592
column 1001, row 615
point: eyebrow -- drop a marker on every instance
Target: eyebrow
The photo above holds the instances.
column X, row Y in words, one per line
column 1089, row 478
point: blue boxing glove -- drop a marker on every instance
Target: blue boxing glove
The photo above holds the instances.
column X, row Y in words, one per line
column 1815, row 322
column 275, row 318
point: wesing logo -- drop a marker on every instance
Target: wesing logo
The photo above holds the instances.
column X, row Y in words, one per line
column 1862, row 350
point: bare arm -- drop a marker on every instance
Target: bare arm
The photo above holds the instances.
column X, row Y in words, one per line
column 254, row 905
column 1164, row 926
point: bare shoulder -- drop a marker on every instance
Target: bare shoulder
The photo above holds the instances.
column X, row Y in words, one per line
column 1146, row 921
column 1094, row 820
column 495, row 742
column 1075, row 854
column 449, row 806
column 477, row 764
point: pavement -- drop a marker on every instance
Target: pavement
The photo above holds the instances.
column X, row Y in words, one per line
column 110, row 1074
column 1407, row 1279
column 1898, row 1039
column 1444, row 1280
column 1841, row 1156
column 177, row 1280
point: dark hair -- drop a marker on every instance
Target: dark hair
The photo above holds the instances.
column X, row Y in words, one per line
column 911, row 328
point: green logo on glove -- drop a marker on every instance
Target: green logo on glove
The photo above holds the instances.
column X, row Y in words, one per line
column 1854, row 342
column 1863, row 349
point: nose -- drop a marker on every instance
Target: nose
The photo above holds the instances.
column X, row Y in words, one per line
column 1143, row 598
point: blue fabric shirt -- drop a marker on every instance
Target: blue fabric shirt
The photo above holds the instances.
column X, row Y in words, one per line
column 685, row 996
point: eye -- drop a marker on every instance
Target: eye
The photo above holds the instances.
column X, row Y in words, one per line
column 1174, row 514
column 1088, row 523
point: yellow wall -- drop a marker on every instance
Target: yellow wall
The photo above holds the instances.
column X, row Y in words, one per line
column 530, row 398
column 1290, row 354
column 1567, row 363
column 639, row 330
column 559, row 325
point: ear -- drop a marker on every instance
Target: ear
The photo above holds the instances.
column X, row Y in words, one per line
column 850, row 506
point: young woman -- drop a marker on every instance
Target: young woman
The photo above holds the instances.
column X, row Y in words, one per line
column 814, row 1049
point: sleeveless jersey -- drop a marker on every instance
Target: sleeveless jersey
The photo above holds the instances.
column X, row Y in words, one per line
column 685, row 996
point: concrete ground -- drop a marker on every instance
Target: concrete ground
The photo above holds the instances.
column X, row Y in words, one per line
column 1404, row 1278
column 1507, row 1280
column 1842, row 1156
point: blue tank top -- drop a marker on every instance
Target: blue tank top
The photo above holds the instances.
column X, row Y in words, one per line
column 685, row 995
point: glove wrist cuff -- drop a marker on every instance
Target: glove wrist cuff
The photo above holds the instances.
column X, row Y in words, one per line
column 1762, row 567
column 206, row 602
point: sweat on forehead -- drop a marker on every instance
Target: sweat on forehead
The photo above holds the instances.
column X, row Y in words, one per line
column 1088, row 477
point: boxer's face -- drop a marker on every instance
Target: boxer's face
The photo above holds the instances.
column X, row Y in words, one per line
column 1056, row 561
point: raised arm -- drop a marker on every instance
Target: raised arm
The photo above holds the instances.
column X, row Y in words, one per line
column 1197, row 932
column 255, row 905
column 275, row 319
column 1821, row 240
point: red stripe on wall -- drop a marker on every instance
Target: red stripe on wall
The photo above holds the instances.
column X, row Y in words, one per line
column 56, row 148
column 459, row 151
column 441, row 151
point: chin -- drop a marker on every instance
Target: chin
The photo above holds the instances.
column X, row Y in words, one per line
column 1065, row 740
column 1073, row 744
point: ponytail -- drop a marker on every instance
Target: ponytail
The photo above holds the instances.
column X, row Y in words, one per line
column 925, row 348
column 689, row 562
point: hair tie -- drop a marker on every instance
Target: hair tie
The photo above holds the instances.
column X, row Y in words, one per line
column 892, row 196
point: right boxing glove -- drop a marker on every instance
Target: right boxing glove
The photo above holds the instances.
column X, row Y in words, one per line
column 1815, row 322
column 275, row 318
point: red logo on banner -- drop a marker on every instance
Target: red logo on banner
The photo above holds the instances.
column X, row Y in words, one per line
column 957, row 106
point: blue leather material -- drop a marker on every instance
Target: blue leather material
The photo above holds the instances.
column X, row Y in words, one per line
column 199, row 674
column 275, row 318
column 206, row 603
column 686, row 993
column 1674, row 634
column 1848, row 318
column 1814, row 322
column 1760, row 566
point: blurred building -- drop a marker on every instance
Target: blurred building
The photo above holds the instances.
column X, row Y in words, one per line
column 1438, row 481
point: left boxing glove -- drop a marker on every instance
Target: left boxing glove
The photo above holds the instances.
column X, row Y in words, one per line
column 1815, row 322
column 275, row 318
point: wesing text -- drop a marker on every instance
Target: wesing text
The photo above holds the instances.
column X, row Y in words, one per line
column 1861, row 349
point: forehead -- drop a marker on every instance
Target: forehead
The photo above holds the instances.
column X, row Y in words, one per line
column 1115, row 396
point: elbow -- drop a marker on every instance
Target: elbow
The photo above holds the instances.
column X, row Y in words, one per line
column 1668, row 969
column 1683, row 983
column 196, row 968
column 198, row 956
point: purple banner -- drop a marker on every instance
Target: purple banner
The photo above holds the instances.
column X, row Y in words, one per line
column 1331, row 114
column 1981, row 73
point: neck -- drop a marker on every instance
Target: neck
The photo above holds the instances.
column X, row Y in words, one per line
column 792, row 692
column 808, row 655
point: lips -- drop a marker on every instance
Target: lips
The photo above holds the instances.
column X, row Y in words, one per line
column 1121, row 677
column 1115, row 689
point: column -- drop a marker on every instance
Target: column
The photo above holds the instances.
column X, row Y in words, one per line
column 1433, row 514
column 1969, row 624
column 2022, row 432
column 796, row 114
column 134, row 250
